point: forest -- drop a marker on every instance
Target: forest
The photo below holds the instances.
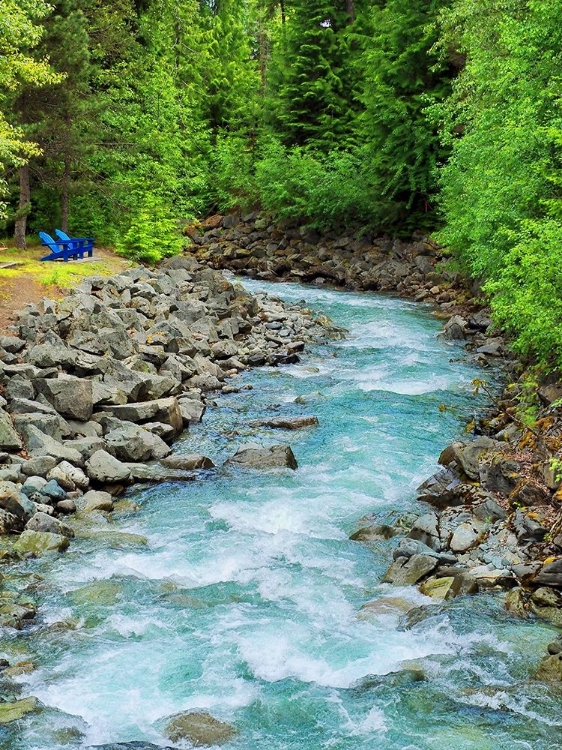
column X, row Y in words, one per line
column 126, row 119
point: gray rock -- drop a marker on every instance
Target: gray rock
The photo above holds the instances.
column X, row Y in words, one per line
column 33, row 485
column 405, row 571
column 200, row 729
column 9, row 438
column 44, row 523
column 191, row 410
column 54, row 491
column 131, row 442
column 39, row 466
column 410, row 547
column 11, row 344
column 49, row 424
column 15, row 502
column 426, row 530
column 66, row 506
column 106, row 469
column 94, row 500
column 499, row 476
column 288, row 423
column 40, row 444
column 69, row 477
column 466, row 536
column 490, row 511
column 527, row 529
column 442, row 490
column 71, row 397
column 166, row 410
column 550, row 574
column 19, row 388
column 455, row 328
column 469, row 455
column 188, row 462
column 256, row 457
column 86, row 447
column 158, row 473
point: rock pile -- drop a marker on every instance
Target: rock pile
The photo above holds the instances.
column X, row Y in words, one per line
column 95, row 387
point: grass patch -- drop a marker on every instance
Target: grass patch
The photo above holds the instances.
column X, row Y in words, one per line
column 54, row 273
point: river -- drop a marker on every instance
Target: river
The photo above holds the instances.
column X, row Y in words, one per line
column 244, row 601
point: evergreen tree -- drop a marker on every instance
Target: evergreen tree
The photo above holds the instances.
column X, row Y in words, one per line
column 403, row 78
column 313, row 87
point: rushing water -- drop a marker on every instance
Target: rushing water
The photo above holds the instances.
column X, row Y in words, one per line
column 245, row 600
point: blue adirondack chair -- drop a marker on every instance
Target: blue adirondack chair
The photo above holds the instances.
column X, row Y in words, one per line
column 82, row 245
column 60, row 249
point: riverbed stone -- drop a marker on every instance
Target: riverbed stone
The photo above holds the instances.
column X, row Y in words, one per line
column 550, row 574
column 375, row 533
column 15, row 710
column 70, row 396
column 467, row 535
column 136, row 745
column 43, row 522
column 38, row 466
column 439, row 588
column 96, row 500
column 287, row 423
column 188, row 462
column 69, row 477
column 130, row 442
column 104, row 468
column 9, row 438
column 16, row 502
column 406, row 571
column 550, row 669
column 166, row 410
column 199, row 728
column 257, row 457
column 40, row 444
column 40, row 542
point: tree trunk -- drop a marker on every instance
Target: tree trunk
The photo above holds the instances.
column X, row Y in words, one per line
column 64, row 195
column 283, row 14
column 23, row 208
column 350, row 7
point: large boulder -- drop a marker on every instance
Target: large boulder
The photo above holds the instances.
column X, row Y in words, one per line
column 130, row 442
column 40, row 542
column 164, row 410
column 199, row 728
column 45, row 523
column 70, row 396
column 16, row 502
column 406, row 571
column 104, row 468
column 257, row 457
column 188, row 462
column 40, row 444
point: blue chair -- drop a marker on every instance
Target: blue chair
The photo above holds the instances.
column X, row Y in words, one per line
column 82, row 245
column 60, row 249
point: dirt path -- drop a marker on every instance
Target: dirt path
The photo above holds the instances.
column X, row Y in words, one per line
column 30, row 280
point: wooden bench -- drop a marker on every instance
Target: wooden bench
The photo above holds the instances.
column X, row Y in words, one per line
column 82, row 245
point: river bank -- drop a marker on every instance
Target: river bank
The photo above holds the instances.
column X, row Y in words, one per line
column 494, row 509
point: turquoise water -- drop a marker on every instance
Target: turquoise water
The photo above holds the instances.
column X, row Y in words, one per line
column 245, row 600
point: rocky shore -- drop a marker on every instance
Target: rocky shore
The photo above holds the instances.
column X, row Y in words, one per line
column 493, row 513
column 94, row 388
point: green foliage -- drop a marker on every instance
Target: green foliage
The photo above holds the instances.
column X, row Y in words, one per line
column 152, row 234
column 232, row 164
column 323, row 190
column 404, row 78
column 501, row 189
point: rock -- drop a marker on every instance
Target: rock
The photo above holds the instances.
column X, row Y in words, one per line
column 166, row 410
column 409, row 547
column 39, row 542
column 94, row 500
column 8, row 522
column 43, row 522
column 11, row 344
column 256, row 457
column 386, row 605
column 469, row 455
column 191, row 410
column 527, row 529
column 439, row 588
column 466, row 536
column 129, row 746
column 130, row 442
column 15, row 710
column 9, row 438
column 53, row 490
column 500, row 476
column 550, row 669
column 39, row 444
column 291, row 423
column 455, row 328
column 406, row 571
column 70, row 396
column 529, row 492
column 106, row 469
column 374, row 533
column 516, row 603
column 33, row 486
column 66, row 506
column 550, row 574
column 38, row 466
column 199, row 728
column 489, row 511
column 69, row 477
column 15, row 502
column 426, row 530
column 442, row 490
column 189, row 462
column 158, row 473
